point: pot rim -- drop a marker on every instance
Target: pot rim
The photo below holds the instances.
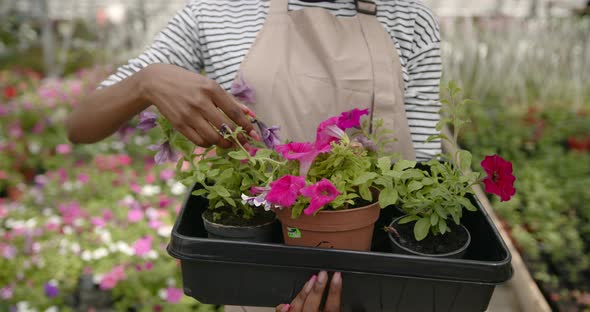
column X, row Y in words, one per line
column 457, row 251
column 371, row 205
column 274, row 219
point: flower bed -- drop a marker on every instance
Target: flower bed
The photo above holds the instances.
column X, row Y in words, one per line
column 91, row 227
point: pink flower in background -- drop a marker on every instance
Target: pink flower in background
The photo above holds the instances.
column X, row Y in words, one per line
column 110, row 280
column 173, row 295
column 134, row 215
column 165, row 201
column 38, row 128
column 3, row 175
column 70, row 212
column 8, row 251
column 167, row 174
column 6, row 292
column 3, row 212
column 63, row 175
column 3, row 110
column 83, row 178
column 155, row 224
column 98, row 222
column 63, row 149
column 500, row 180
column 143, row 245
column 149, row 265
column 351, row 119
column 107, row 215
column 124, row 160
column 284, row 191
column 321, row 194
column 135, row 188
column 150, row 178
column 15, row 130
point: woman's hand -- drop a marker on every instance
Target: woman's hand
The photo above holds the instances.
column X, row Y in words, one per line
column 310, row 297
column 196, row 106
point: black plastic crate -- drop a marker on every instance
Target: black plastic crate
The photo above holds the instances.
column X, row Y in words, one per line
column 253, row 274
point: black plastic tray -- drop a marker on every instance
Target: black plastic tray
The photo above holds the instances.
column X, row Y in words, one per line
column 253, row 274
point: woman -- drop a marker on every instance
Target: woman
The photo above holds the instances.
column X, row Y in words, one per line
column 305, row 61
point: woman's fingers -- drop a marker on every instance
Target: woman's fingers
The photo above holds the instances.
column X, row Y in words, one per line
column 333, row 301
column 231, row 108
column 299, row 301
column 314, row 299
column 283, row 308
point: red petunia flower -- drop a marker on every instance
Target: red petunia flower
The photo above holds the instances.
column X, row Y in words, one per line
column 9, row 92
column 500, row 180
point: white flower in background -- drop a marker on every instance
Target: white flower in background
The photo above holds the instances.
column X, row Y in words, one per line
column 118, row 146
column 53, row 220
column 36, row 247
column 150, row 190
column 31, row 223
column 52, row 309
column 79, row 222
column 165, row 231
column 152, row 254
column 34, row 148
column 113, row 247
column 86, row 255
column 125, row 248
column 141, row 140
column 75, row 248
column 163, row 294
column 68, row 230
column 77, row 185
column 170, row 282
column 96, row 278
column 128, row 200
column 105, row 236
column 47, row 212
column 68, row 186
column 100, row 253
column 152, row 213
column 178, row 188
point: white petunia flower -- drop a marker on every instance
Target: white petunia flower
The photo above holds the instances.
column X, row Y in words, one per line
column 34, row 148
column 178, row 188
column 100, row 253
column 52, row 309
column 150, row 190
column 163, row 294
column 152, row 254
column 68, row 230
column 75, row 248
column 118, row 145
column 68, row 186
column 86, row 255
column 165, row 231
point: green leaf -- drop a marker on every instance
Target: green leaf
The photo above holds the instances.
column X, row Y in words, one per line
column 434, row 219
column 200, row 192
column 230, row 201
column 421, row 228
column 365, row 193
column 364, row 178
column 427, row 181
column 388, row 197
column 414, row 186
column 440, row 211
column 238, row 155
column 464, row 160
column 220, row 190
column 442, row 226
column 403, row 164
column 384, row 164
column 408, row 219
column 436, row 137
column 467, row 204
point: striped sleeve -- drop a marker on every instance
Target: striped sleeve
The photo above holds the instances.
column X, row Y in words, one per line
column 176, row 44
column 424, row 67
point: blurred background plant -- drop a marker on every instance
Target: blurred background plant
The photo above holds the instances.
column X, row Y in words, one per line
column 86, row 226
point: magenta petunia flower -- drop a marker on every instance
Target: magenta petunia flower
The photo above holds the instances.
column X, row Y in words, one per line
column 270, row 136
column 304, row 152
column 143, row 245
column 147, row 120
column 321, row 194
column 500, row 180
column 164, row 154
column 352, row 118
column 173, row 295
column 284, row 191
column 242, row 91
column 323, row 135
column 70, row 212
column 134, row 215
column 83, row 178
column 51, row 289
column 98, row 222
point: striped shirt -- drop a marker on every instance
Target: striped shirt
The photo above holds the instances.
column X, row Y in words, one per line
column 215, row 35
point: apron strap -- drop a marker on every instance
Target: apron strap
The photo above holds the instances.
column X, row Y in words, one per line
column 279, row 6
column 388, row 84
column 366, row 7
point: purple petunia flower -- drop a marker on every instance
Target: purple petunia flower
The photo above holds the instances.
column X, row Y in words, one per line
column 147, row 120
column 6, row 292
column 367, row 143
column 51, row 290
column 164, row 154
column 270, row 136
column 242, row 91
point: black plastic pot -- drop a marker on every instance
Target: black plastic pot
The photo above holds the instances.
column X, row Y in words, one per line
column 260, row 233
column 229, row 272
column 399, row 248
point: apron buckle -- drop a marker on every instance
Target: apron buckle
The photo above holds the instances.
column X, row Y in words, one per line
column 366, row 7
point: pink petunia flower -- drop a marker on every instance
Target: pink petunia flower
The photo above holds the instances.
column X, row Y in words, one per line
column 173, row 295
column 143, row 245
column 323, row 136
column 134, row 215
column 167, row 174
column 98, row 222
column 321, row 194
column 63, row 149
column 83, row 178
column 6, row 292
column 110, row 280
column 351, row 119
column 70, row 212
column 284, row 191
column 304, row 152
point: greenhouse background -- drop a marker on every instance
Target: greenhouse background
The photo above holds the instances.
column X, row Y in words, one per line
column 526, row 65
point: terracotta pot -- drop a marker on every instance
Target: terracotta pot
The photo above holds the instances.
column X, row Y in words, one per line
column 350, row 229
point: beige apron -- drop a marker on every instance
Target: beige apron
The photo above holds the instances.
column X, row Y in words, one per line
column 308, row 65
